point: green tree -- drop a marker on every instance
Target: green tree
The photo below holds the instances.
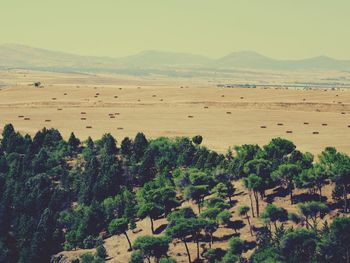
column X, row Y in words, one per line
column 285, row 175
column 274, row 214
column 312, row 211
column 243, row 212
column 151, row 246
column 120, row 226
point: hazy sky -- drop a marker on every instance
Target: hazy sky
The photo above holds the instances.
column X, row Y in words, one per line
column 276, row 28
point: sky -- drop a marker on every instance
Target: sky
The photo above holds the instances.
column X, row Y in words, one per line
column 281, row 29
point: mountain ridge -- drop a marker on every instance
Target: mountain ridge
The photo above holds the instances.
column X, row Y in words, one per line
column 26, row 57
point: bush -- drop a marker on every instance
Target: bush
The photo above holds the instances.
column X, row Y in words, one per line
column 101, row 251
column 92, row 242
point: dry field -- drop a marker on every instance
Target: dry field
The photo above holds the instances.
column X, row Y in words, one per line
column 91, row 105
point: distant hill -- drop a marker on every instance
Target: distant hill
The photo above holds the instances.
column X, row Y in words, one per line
column 20, row 56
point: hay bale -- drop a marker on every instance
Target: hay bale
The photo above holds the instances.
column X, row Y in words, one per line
column 161, row 99
column 306, row 123
column 65, row 94
column 88, row 127
column 20, row 116
column 324, row 124
column 228, row 112
column 343, row 113
column 242, row 98
column 154, row 96
column 54, row 98
column 59, row 109
column 206, row 107
column 97, row 94
column 190, row 116
column 83, row 112
column 83, row 119
column 117, row 113
column 120, row 128
column 112, row 117
column 27, row 119
column 115, row 97
column 279, row 124
column 222, row 96
column 289, row 132
column 263, row 127
column 47, row 120
column 315, row 132
column 120, row 88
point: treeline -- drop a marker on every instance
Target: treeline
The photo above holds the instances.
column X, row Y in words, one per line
column 57, row 194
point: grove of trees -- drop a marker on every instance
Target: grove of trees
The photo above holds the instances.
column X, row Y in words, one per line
column 62, row 195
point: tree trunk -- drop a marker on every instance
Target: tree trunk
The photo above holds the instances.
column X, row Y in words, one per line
column 257, row 203
column 127, row 237
column 320, row 192
column 197, row 249
column 230, row 199
column 291, row 194
column 188, row 252
column 251, row 203
column 199, row 206
column 152, row 226
column 250, row 226
column 345, row 193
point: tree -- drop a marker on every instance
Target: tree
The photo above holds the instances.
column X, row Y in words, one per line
column 151, row 246
column 73, row 142
column 126, row 146
column 315, row 177
column 197, row 139
column 285, row 175
column 299, row 246
column 140, row 145
column 254, row 184
column 136, row 257
column 181, row 226
column 101, row 251
column 274, row 214
column 243, row 211
column 236, row 246
column 313, row 211
column 341, row 176
column 224, row 187
column 277, row 151
column 120, row 226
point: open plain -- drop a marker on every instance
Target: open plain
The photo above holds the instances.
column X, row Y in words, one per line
column 91, row 105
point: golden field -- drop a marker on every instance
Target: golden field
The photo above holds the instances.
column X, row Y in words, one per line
column 160, row 106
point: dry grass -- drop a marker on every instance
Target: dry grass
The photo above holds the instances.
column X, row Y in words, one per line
column 170, row 118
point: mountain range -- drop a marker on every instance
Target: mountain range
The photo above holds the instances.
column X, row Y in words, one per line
column 25, row 57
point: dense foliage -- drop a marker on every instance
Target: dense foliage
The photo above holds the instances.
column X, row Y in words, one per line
column 60, row 195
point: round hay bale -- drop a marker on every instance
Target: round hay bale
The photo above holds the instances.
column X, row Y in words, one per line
column 59, row 109
column 115, row 97
column 315, row 132
column 279, row 124
column 88, row 127
column 47, row 120
column 263, row 127
column 222, row 96
column 306, row 123
column 242, row 98
column 83, row 112
column 20, row 116
column 206, row 107
column 190, row 116
column 54, row 98
column 83, row 119
column 289, row 132
column 324, row 124
column 27, row 119
column 228, row 112
column 120, row 128
column 65, row 94
column 120, row 88
column 343, row 113
column 117, row 113
column 154, row 96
